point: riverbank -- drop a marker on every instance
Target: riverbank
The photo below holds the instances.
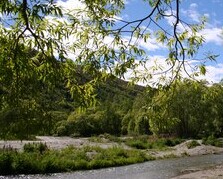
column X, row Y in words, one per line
column 183, row 149
column 211, row 173
column 97, row 152
column 58, row 143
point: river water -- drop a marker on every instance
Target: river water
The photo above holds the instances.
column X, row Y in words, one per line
column 159, row 169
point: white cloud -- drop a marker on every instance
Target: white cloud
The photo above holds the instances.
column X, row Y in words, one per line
column 125, row 16
column 71, row 4
column 157, row 67
column 126, row 1
column 213, row 35
column 155, row 71
column 192, row 13
column 172, row 20
column 149, row 72
column 115, row 18
column 214, row 73
column 212, row 32
column 150, row 45
column 193, row 5
column 207, row 15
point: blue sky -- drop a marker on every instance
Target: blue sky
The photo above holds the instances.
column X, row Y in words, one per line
column 190, row 11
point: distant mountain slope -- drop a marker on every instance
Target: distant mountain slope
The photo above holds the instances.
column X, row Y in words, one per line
column 118, row 87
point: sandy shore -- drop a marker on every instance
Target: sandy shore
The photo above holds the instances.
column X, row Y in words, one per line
column 215, row 172
column 212, row 173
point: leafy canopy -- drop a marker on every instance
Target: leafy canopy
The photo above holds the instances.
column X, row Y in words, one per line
column 39, row 37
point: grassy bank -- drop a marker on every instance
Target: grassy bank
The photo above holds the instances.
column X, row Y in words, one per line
column 89, row 154
column 37, row 158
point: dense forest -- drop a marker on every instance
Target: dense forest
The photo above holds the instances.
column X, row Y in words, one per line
column 185, row 109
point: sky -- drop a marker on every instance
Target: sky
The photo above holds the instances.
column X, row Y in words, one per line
column 190, row 11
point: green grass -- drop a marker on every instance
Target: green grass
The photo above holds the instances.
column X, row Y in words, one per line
column 146, row 142
column 140, row 142
column 37, row 158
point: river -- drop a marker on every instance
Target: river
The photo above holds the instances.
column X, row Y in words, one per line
column 159, row 169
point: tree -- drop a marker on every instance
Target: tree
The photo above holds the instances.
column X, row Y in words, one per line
column 181, row 110
column 214, row 98
column 35, row 49
column 46, row 27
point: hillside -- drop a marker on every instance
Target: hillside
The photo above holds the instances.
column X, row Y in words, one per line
column 44, row 113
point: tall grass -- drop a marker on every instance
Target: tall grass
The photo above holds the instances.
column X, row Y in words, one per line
column 37, row 158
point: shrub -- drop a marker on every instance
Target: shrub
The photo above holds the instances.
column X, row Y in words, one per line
column 24, row 163
column 35, row 147
column 145, row 142
column 85, row 124
column 211, row 140
column 64, row 128
column 52, row 164
column 138, row 144
column 31, row 161
column 192, row 144
column 6, row 160
column 125, row 122
column 142, row 124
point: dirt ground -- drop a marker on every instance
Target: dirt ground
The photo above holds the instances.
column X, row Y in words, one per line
column 61, row 142
column 182, row 150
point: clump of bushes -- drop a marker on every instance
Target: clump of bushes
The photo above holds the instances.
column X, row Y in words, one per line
column 139, row 144
column 37, row 158
column 35, row 147
column 192, row 144
column 211, row 140
column 144, row 142
column 89, row 123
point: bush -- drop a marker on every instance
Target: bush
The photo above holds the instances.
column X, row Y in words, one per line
column 65, row 128
column 125, row 122
column 145, row 142
column 172, row 141
column 211, row 140
column 138, row 144
column 35, row 147
column 90, row 122
column 69, row 159
column 6, row 160
column 111, row 122
column 192, row 144
column 142, row 125
column 26, row 163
